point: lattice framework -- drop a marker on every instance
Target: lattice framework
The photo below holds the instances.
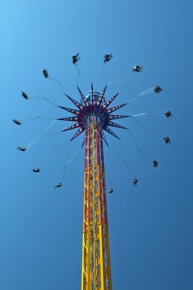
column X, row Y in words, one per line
column 96, row 268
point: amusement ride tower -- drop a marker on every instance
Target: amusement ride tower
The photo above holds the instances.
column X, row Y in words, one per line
column 93, row 117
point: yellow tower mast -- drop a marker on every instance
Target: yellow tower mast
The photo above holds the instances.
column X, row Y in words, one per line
column 96, row 267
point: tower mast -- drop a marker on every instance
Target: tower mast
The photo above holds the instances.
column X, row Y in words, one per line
column 96, row 268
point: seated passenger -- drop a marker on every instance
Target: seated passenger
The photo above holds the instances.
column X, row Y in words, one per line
column 137, row 68
column 21, row 148
column 157, row 89
column 167, row 140
column 45, row 73
column 36, row 170
column 58, row 185
column 168, row 114
column 107, row 57
column 110, row 190
column 24, row 95
column 135, row 181
column 155, row 163
column 75, row 58
column 16, row 121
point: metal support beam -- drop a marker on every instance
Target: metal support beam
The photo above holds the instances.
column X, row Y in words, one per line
column 96, row 268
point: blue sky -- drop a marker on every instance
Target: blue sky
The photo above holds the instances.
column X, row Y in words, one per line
column 151, row 225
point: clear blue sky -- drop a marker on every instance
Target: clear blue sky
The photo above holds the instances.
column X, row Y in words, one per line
column 151, row 226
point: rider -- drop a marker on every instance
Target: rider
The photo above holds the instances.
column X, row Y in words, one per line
column 75, row 58
column 21, row 148
column 110, row 190
column 167, row 140
column 157, row 89
column 36, row 170
column 16, row 121
column 135, row 181
column 24, row 95
column 137, row 68
column 155, row 163
column 168, row 114
column 107, row 57
column 58, row 185
column 45, row 73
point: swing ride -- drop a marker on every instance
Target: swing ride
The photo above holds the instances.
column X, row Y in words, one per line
column 93, row 116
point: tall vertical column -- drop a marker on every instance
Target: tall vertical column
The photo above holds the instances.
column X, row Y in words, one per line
column 96, row 268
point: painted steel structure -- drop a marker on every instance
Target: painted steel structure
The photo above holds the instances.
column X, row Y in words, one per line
column 93, row 117
column 96, row 268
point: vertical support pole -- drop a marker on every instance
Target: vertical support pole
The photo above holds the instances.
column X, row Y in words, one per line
column 96, row 268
